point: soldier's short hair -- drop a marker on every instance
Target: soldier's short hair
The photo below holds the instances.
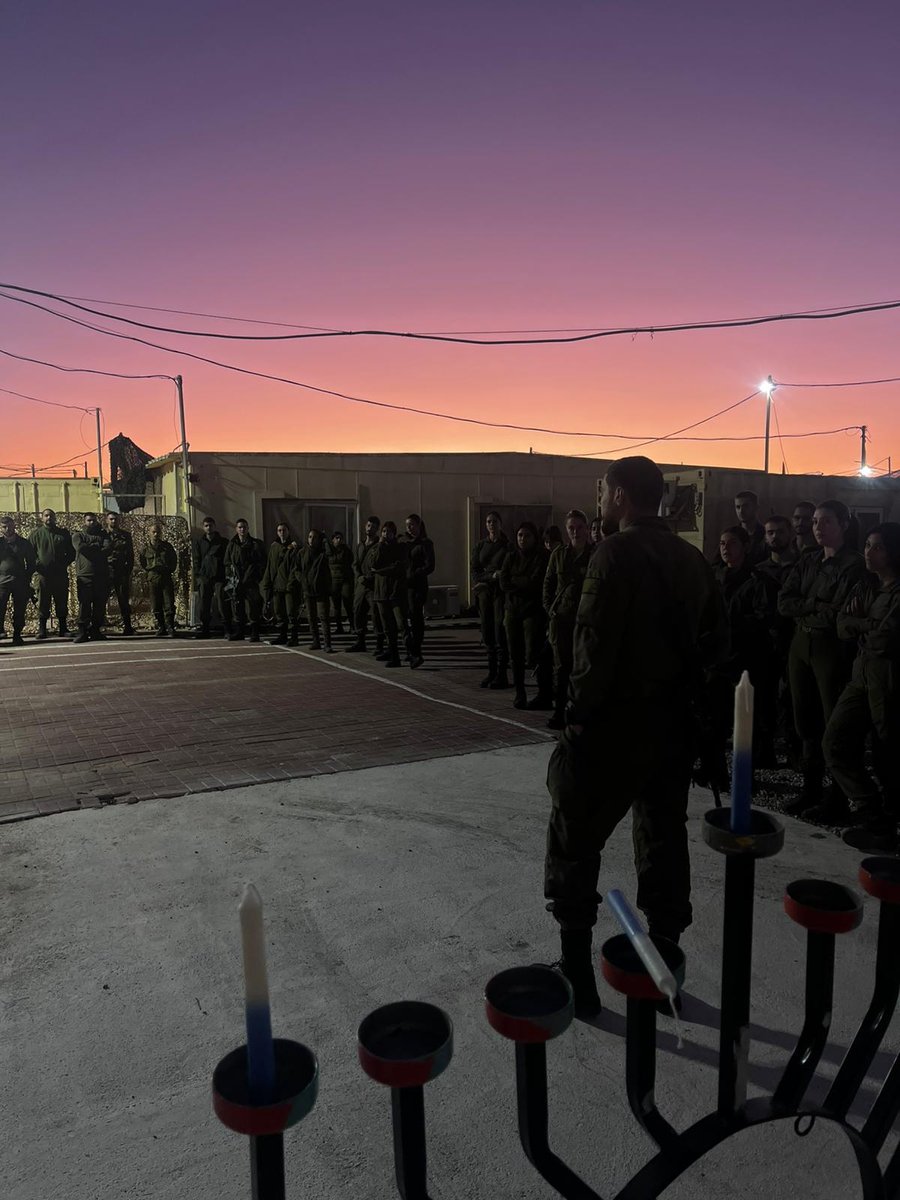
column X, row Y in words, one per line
column 807, row 504
column 747, row 495
column 640, row 479
column 373, row 520
column 778, row 519
column 576, row 515
column 209, row 520
column 737, row 531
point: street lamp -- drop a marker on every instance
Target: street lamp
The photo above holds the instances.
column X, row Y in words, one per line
column 767, row 387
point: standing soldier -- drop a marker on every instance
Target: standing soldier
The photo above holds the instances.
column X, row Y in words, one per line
column 819, row 666
column 802, row 522
column 91, row 578
column 245, row 561
column 649, row 620
column 121, row 564
column 315, row 575
column 561, row 595
column 275, row 580
column 782, row 558
column 209, row 576
column 746, row 509
column 17, row 565
column 54, row 551
column 870, row 703
column 363, row 591
column 160, row 561
column 485, row 563
column 389, row 569
column 340, row 562
column 419, row 565
column 595, row 536
column 522, row 581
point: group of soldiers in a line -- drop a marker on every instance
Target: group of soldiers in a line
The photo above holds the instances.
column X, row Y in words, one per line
column 385, row 578
column 37, row 567
column 814, row 622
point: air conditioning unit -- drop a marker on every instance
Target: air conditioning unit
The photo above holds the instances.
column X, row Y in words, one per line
column 443, row 601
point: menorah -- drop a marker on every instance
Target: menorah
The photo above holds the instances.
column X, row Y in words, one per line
column 407, row 1044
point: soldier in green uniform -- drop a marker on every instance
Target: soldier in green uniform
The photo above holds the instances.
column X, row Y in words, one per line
column 419, row 565
column 389, row 568
column 820, row 663
column 870, row 703
column 363, row 591
column 340, row 563
column 245, row 562
column 160, row 561
column 485, row 563
column 315, row 576
column 649, row 622
column 208, row 553
column 802, row 525
column 561, row 594
column 17, row 565
column 521, row 582
column 275, row 581
column 121, row 564
column 54, row 552
column 783, row 556
column 91, row 578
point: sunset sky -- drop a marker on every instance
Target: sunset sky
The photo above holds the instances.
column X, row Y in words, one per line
column 474, row 165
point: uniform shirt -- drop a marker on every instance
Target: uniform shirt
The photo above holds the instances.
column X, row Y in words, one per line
column 340, row 563
column 487, row 558
column 389, row 569
column 17, row 560
column 208, row 555
column 564, row 579
column 159, row 560
column 362, row 563
column 522, row 580
column 314, row 571
column 121, row 553
column 817, row 589
column 650, row 621
column 245, row 561
column 91, row 554
column 53, row 549
column 419, row 561
column 273, row 579
column 750, row 601
column 878, row 628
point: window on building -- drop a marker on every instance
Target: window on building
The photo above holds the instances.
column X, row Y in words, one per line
column 303, row 515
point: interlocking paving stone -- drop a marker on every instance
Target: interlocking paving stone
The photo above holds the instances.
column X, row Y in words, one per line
column 84, row 726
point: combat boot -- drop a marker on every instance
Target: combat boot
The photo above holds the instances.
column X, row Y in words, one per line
column 358, row 647
column 521, row 697
column 577, row 967
column 281, row 640
column 42, row 632
column 492, row 670
column 501, row 679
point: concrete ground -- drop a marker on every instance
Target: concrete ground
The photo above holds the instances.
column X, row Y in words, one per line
column 121, row 988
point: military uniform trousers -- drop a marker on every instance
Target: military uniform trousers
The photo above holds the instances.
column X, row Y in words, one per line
column 286, row 606
column 416, row 599
column 15, row 592
column 363, row 604
column 490, row 616
column 92, row 594
column 869, row 704
column 342, row 602
column 639, row 761
column 818, row 670
column 394, row 621
column 210, row 590
column 53, row 589
column 162, row 600
column 120, row 586
column 562, row 635
column 318, row 609
column 246, row 605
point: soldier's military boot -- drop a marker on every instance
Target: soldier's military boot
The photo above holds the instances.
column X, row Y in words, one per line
column 42, row 632
column 577, row 967
column 492, row 671
column 521, row 697
column 501, row 679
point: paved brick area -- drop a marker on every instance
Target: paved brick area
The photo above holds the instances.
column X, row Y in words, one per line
column 129, row 719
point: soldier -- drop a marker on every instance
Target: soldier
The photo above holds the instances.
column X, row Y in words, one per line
column 650, row 620
column 521, row 582
column 245, row 561
column 819, row 665
column 746, row 508
column 389, row 569
column 485, row 563
column 17, row 564
column 340, row 563
column 54, row 552
column 419, row 565
column 315, row 576
column 870, row 703
column 91, row 578
column 552, row 538
column 594, row 537
column 782, row 558
column 561, row 594
column 802, row 522
column 121, row 564
column 160, row 561
column 209, row 576
column 363, row 591
column 275, row 585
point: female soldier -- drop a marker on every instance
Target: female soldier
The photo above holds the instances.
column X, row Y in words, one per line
column 561, row 592
column 419, row 565
column 522, row 581
column 274, row 581
column 552, row 538
column 870, row 703
column 485, row 563
column 340, row 562
column 315, row 577
column 389, row 569
column 819, row 665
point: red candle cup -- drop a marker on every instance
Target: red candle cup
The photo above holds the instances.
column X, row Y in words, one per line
column 294, row 1094
column 881, row 878
column 624, row 971
column 406, row 1044
column 529, row 1004
column 822, row 906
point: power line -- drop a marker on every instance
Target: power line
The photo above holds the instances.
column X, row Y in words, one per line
column 780, row 439
column 67, row 461
column 51, row 403
column 679, row 327
column 79, row 370
column 850, row 383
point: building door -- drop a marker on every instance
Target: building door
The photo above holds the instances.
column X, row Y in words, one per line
column 303, row 515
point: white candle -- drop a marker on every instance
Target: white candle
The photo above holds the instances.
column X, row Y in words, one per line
column 742, row 758
column 253, row 941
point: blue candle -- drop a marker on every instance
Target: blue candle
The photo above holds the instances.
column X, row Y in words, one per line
column 260, row 1051
column 742, row 759
column 640, row 939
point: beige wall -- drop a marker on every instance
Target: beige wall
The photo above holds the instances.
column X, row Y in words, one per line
column 62, row 495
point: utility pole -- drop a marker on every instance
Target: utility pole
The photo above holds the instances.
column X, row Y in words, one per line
column 185, row 485
column 863, row 465
column 99, row 458
column 768, row 387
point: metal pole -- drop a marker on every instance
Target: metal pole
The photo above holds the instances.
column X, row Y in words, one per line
column 99, row 458
column 770, row 381
column 863, row 429
column 185, row 483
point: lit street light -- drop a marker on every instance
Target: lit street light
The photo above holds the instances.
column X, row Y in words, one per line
column 767, row 387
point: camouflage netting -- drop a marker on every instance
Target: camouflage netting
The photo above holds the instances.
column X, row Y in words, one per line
column 127, row 472
column 175, row 530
